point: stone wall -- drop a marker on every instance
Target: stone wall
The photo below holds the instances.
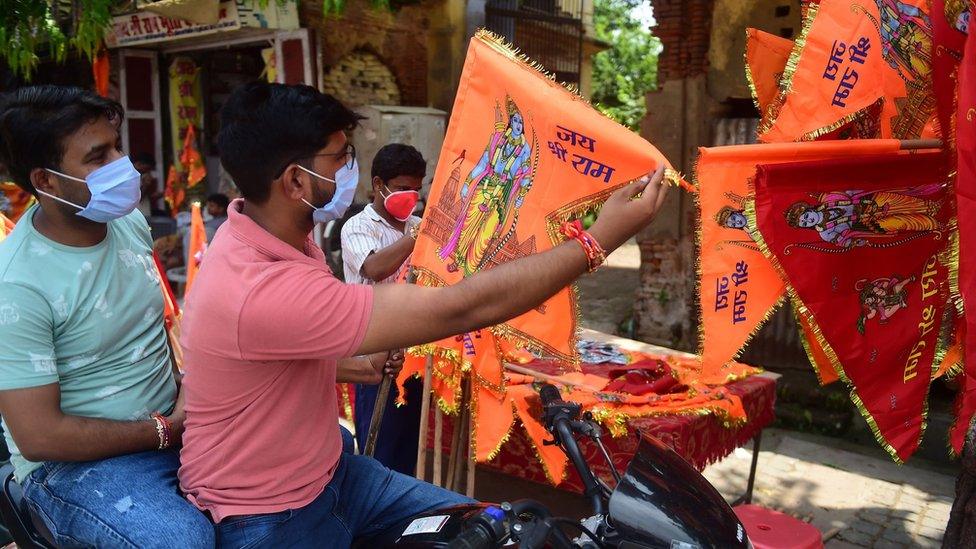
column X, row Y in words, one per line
column 700, row 81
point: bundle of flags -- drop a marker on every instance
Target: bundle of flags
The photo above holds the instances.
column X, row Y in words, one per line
column 840, row 213
column 186, row 174
column 522, row 155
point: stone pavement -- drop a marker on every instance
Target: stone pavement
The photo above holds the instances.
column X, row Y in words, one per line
column 607, row 295
column 856, row 500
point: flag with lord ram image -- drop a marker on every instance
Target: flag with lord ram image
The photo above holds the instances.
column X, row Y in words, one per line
column 738, row 287
column 522, row 155
column 866, row 245
column 849, row 55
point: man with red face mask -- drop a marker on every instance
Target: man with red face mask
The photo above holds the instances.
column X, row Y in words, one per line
column 376, row 244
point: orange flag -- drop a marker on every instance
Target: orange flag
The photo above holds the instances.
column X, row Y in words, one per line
column 521, row 156
column 766, row 56
column 100, row 71
column 851, row 53
column 197, row 247
column 191, row 160
column 738, row 287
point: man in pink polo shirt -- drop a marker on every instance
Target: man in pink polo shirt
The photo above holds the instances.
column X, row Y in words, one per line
column 267, row 323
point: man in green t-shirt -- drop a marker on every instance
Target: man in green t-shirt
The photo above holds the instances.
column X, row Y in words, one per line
column 87, row 394
column 90, row 404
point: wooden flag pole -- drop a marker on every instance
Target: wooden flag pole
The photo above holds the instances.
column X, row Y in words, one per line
column 376, row 421
column 421, row 471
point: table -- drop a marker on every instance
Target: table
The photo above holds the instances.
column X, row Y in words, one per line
column 700, row 439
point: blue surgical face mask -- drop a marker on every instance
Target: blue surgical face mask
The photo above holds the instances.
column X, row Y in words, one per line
column 114, row 191
column 346, row 181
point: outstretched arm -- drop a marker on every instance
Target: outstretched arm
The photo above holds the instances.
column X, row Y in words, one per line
column 508, row 290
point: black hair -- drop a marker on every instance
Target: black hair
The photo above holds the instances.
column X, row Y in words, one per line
column 397, row 159
column 264, row 127
column 35, row 120
column 145, row 158
column 219, row 199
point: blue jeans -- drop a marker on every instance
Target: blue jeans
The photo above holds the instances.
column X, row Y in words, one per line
column 396, row 443
column 363, row 499
column 126, row 501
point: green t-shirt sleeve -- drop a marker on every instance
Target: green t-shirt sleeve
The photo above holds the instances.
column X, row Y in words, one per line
column 139, row 225
column 27, row 356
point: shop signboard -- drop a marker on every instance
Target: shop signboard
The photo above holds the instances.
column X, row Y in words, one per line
column 145, row 27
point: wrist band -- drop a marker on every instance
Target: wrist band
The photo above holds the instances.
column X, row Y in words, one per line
column 164, row 429
column 595, row 256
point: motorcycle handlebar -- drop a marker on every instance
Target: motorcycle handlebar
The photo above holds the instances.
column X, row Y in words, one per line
column 472, row 538
column 561, row 421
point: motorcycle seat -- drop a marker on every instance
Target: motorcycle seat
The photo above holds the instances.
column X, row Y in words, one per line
column 28, row 531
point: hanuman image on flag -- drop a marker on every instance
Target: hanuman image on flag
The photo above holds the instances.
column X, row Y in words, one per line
column 856, row 218
column 491, row 195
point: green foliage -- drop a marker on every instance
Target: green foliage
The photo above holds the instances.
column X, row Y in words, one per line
column 26, row 25
column 30, row 28
column 623, row 74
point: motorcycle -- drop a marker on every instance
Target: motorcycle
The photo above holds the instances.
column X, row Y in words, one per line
column 661, row 501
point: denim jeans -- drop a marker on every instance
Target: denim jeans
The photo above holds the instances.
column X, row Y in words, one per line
column 363, row 499
column 126, row 501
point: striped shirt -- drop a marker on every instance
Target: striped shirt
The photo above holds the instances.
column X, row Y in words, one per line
column 365, row 233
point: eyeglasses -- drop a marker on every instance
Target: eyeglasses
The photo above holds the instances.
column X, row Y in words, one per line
column 349, row 152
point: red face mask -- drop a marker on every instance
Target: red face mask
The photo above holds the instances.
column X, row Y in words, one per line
column 400, row 204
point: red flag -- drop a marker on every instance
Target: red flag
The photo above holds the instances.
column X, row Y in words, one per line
column 864, row 246
column 949, row 21
column 966, row 204
column 197, row 247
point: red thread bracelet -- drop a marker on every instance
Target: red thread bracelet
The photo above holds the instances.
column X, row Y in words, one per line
column 164, row 429
column 595, row 256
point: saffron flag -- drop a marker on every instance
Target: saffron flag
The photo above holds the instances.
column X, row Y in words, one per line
column 864, row 244
column 522, row 155
column 966, row 203
column 197, row 246
column 100, row 71
column 6, row 226
column 850, row 54
column 766, row 56
column 731, row 263
column 191, row 160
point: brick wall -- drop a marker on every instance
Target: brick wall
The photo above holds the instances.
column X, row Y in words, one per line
column 684, row 27
column 397, row 39
column 360, row 78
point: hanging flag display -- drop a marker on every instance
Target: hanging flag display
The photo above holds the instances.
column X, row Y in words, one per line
column 864, row 245
column 850, row 54
column 522, row 155
column 185, row 99
column 766, row 57
column 738, row 287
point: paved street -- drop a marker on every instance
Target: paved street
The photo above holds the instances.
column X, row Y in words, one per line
column 858, row 500
column 862, row 500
